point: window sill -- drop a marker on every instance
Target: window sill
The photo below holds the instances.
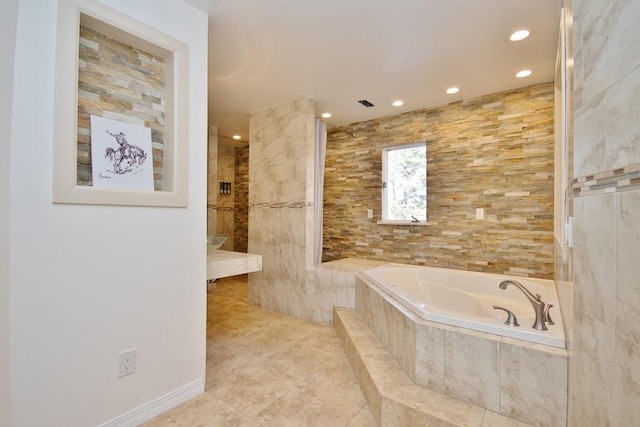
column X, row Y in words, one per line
column 400, row 222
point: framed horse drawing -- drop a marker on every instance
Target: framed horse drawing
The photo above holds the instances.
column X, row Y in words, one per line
column 121, row 155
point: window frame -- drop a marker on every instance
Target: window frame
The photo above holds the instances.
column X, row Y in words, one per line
column 385, row 167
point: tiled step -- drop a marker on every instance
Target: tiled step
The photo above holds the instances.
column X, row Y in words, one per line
column 395, row 400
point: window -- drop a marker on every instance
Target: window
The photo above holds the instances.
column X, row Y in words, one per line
column 404, row 183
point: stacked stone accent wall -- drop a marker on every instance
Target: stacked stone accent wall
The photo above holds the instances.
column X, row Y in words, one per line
column 494, row 152
column 241, row 235
column 118, row 82
column 226, row 202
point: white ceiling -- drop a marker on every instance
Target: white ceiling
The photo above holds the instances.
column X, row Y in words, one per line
column 262, row 53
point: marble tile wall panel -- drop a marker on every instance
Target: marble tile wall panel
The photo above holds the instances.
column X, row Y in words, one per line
column 533, row 385
column 493, row 152
column 603, row 381
column 594, row 257
column 401, row 338
column 123, row 83
column 591, row 372
column 626, row 390
column 371, row 307
column 282, row 170
column 283, row 273
column 281, row 153
column 345, row 285
column 603, row 384
column 430, row 357
column 281, row 211
column 317, row 298
column 472, row 369
column 289, row 118
column 627, row 271
column 610, row 43
column 590, row 131
column 623, row 126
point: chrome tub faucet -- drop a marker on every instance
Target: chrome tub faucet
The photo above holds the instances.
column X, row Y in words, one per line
column 534, row 299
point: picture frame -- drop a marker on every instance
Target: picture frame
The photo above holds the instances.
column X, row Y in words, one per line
column 138, row 35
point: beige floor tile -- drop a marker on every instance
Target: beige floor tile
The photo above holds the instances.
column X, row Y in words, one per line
column 326, row 340
column 203, row 411
column 268, row 369
column 302, row 361
column 252, row 388
column 364, row 418
column 308, row 406
column 338, row 379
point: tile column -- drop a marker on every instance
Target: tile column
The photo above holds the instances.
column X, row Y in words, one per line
column 281, row 206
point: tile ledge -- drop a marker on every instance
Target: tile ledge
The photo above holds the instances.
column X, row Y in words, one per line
column 416, row 402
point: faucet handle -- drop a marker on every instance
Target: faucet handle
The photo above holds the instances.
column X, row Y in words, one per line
column 511, row 318
column 547, row 316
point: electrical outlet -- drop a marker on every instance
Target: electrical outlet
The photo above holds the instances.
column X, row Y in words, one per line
column 479, row 213
column 370, row 213
column 126, row 363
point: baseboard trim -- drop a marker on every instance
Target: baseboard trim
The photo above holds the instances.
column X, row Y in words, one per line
column 158, row 406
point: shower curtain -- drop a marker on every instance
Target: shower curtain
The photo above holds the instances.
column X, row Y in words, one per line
column 320, row 148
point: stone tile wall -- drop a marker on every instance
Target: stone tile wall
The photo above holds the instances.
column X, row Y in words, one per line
column 226, row 202
column 241, row 201
column 604, row 373
column 123, row 83
column 212, row 179
column 494, row 152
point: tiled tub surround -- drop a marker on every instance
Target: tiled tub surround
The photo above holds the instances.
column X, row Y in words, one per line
column 520, row 380
column 394, row 399
column 334, row 284
column 466, row 299
column 494, row 152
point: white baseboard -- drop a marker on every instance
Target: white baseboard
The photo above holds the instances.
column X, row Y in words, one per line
column 158, row 406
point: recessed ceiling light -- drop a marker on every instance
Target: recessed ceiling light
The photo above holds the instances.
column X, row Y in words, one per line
column 237, row 137
column 397, row 103
column 326, row 115
column 519, row 35
column 523, row 73
column 453, row 90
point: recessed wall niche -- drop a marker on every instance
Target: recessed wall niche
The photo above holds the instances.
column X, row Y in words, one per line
column 113, row 67
column 120, row 82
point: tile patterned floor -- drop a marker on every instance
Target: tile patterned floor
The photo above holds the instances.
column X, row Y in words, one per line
column 268, row 369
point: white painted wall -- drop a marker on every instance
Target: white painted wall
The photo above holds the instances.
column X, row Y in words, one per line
column 87, row 282
column 8, row 19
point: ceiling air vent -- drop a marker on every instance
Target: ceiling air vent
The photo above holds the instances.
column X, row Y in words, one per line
column 366, row 103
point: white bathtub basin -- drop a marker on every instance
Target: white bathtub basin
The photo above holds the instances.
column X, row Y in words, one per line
column 466, row 299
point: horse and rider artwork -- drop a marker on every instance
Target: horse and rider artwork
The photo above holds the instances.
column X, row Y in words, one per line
column 126, row 156
column 121, row 154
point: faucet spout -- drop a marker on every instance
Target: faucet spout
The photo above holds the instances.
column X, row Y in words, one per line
column 534, row 299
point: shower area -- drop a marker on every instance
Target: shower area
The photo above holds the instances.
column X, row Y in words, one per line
column 228, row 192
